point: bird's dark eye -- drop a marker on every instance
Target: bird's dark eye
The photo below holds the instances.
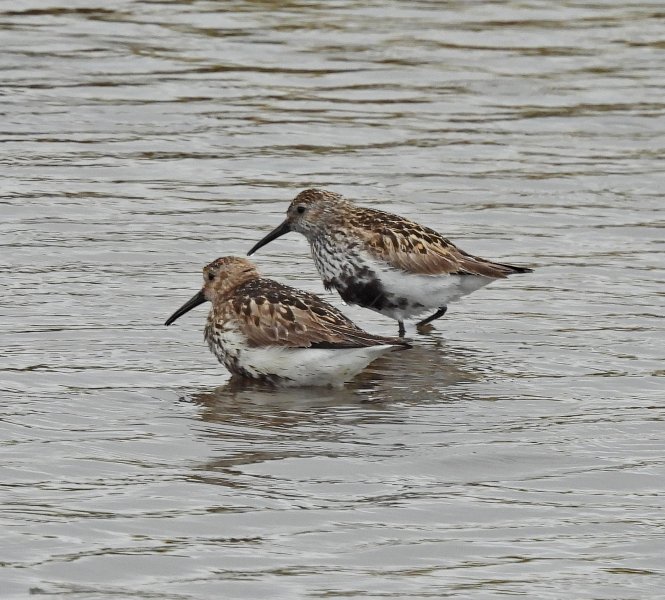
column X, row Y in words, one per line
column 211, row 276
column 301, row 209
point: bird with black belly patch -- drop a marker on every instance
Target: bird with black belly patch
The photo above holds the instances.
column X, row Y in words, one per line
column 385, row 262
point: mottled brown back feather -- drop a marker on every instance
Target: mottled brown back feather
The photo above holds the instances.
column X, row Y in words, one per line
column 275, row 314
column 417, row 249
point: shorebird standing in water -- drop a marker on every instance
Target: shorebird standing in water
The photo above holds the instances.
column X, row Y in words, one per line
column 383, row 261
column 261, row 329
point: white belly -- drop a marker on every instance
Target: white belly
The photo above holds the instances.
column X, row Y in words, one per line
column 311, row 366
column 425, row 293
column 292, row 366
column 406, row 294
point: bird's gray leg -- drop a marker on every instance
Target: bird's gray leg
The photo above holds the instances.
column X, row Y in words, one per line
column 401, row 331
column 436, row 315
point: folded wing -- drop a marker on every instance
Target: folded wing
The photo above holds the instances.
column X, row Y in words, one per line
column 416, row 249
column 275, row 314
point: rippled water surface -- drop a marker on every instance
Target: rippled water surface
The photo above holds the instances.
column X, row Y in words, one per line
column 518, row 449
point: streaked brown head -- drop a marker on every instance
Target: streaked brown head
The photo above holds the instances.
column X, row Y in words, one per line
column 309, row 212
column 220, row 278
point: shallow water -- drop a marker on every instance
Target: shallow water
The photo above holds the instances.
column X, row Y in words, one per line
column 518, row 449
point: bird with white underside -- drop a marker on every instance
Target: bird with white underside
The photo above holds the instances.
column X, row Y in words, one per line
column 261, row 329
column 382, row 261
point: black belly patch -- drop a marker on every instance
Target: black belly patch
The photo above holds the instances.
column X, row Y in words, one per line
column 368, row 295
column 362, row 288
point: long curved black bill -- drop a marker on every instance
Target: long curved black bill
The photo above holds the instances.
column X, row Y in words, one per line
column 186, row 307
column 279, row 231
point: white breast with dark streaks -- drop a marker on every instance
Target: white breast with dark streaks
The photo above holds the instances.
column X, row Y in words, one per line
column 334, row 257
column 226, row 342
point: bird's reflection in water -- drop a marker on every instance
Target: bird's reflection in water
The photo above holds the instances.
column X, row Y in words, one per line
column 431, row 371
column 252, row 423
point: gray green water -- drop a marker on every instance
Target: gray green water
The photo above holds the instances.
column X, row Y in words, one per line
column 518, row 450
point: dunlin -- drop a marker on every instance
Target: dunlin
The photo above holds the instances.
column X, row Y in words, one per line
column 260, row 329
column 383, row 261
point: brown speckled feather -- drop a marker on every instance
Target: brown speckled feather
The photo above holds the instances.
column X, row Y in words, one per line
column 418, row 249
column 269, row 313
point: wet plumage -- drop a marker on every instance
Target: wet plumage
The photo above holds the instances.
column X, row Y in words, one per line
column 261, row 329
column 383, row 261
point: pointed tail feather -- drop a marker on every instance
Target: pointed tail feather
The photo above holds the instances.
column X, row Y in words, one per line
column 474, row 265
